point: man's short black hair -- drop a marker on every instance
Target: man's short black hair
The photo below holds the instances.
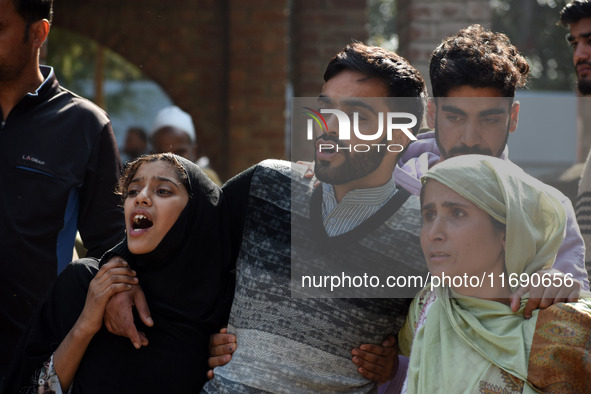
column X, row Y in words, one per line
column 398, row 75
column 575, row 11
column 34, row 10
column 477, row 58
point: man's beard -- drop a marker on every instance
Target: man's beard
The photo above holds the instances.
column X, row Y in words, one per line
column 354, row 166
column 584, row 86
column 468, row 150
column 12, row 70
column 465, row 150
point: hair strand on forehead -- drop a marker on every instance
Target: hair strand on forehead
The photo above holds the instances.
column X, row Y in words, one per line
column 132, row 168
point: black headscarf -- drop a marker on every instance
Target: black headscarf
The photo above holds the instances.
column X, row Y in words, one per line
column 188, row 282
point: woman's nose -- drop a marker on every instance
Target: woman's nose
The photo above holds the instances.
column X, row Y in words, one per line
column 143, row 198
column 437, row 230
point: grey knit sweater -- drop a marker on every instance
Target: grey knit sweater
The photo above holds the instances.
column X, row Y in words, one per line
column 288, row 341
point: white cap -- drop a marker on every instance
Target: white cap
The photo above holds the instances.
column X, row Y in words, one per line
column 173, row 116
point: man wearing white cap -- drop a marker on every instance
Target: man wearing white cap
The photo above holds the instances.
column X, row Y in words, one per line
column 173, row 131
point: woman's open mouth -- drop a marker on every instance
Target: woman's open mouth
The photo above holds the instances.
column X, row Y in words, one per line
column 140, row 222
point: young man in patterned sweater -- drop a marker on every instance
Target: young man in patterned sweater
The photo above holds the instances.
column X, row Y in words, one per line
column 290, row 341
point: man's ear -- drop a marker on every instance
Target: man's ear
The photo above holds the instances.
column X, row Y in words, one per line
column 514, row 116
column 39, row 31
column 399, row 138
column 431, row 113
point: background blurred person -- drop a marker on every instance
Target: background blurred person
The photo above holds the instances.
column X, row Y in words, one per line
column 136, row 144
column 173, row 131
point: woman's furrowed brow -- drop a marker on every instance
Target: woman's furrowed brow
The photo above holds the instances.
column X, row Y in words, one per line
column 165, row 179
column 445, row 204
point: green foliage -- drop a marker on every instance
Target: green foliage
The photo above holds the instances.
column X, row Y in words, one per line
column 382, row 24
column 74, row 59
column 75, row 56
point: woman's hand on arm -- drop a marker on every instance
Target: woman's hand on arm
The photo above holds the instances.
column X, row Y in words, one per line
column 119, row 316
column 563, row 288
column 221, row 347
column 377, row 362
column 112, row 278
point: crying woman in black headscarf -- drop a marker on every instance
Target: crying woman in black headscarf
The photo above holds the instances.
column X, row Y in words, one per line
column 176, row 246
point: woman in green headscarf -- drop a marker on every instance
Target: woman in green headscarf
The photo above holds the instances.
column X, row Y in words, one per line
column 487, row 226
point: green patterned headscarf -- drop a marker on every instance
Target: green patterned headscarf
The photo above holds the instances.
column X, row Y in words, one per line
column 534, row 217
column 463, row 339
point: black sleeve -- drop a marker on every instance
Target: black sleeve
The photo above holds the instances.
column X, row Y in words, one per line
column 101, row 222
column 51, row 322
column 120, row 250
column 236, row 192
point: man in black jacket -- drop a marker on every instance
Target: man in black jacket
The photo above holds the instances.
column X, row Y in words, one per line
column 59, row 165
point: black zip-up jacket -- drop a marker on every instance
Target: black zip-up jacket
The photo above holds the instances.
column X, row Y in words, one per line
column 59, row 165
